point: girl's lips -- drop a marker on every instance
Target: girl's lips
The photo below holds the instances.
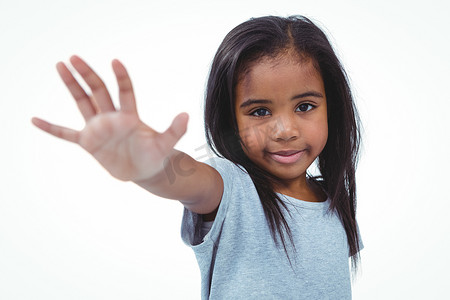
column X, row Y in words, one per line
column 286, row 157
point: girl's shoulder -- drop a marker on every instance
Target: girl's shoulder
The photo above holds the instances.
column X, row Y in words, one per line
column 226, row 168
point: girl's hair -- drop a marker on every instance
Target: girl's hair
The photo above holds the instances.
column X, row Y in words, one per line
column 268, row 37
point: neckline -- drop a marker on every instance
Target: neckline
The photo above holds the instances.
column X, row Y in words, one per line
column 305, row 204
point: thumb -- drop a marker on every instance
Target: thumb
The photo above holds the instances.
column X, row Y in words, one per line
column 176, row 130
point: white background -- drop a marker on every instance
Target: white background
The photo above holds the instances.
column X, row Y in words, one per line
column 68, row 230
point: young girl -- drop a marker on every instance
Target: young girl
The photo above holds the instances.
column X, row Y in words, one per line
column 277, row 99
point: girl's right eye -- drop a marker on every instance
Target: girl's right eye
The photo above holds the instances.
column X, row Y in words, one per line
column 260, row 112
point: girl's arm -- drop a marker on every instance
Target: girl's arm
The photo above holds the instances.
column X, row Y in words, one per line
column 129, row 149
column 196, row 185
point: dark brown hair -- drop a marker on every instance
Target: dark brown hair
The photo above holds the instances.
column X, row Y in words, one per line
column 267, row 37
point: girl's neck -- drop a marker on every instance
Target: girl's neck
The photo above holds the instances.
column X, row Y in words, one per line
column 303, row 189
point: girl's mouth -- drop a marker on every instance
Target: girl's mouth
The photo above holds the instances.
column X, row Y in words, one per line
column 286, row 157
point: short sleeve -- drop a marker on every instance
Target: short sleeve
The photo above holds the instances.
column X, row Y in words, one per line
column 191, row 232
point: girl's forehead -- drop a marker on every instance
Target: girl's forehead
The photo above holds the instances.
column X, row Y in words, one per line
column 273, row 66
column 279, row 78
column 287, row 54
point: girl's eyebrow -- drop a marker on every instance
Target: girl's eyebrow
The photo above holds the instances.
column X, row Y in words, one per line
column 249, row 102
column 254, row 101
column 308, row 94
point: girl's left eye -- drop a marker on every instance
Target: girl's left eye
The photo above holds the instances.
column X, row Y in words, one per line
column 260, row 112
column 305, row 107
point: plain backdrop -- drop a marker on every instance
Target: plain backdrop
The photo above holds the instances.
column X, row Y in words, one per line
column 68, row 230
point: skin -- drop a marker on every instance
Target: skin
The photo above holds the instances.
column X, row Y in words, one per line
column 129, row 149
column 281, row 108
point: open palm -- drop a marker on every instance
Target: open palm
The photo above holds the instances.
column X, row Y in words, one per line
column 117, row 138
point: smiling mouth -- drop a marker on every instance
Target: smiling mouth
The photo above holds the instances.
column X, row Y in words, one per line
column 286, row 157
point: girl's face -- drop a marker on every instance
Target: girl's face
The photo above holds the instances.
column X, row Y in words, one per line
column 281, row 112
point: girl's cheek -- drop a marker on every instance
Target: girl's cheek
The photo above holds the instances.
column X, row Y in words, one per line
column 248, row 139
column 254, row 137
column 321, row 134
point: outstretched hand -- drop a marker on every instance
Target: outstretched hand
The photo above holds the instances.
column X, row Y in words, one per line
column 116, row 137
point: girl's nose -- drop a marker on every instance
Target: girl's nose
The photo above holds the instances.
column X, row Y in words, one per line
column 285, row 129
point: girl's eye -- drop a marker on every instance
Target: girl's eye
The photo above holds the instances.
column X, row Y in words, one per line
column 260, row 112
column 305, row 107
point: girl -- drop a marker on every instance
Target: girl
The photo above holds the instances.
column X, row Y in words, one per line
column 277, row 99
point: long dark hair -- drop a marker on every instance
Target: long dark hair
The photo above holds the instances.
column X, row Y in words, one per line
column 267, row 37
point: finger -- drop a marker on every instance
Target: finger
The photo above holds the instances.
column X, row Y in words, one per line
column 98, row 88
column 58, row 131
column 176, row 130
column 81, row 98
column 126, row 93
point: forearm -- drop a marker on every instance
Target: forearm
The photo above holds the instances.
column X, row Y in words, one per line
column 196, row 185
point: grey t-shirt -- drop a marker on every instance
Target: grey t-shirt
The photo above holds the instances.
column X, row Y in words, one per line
column 238, row 258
